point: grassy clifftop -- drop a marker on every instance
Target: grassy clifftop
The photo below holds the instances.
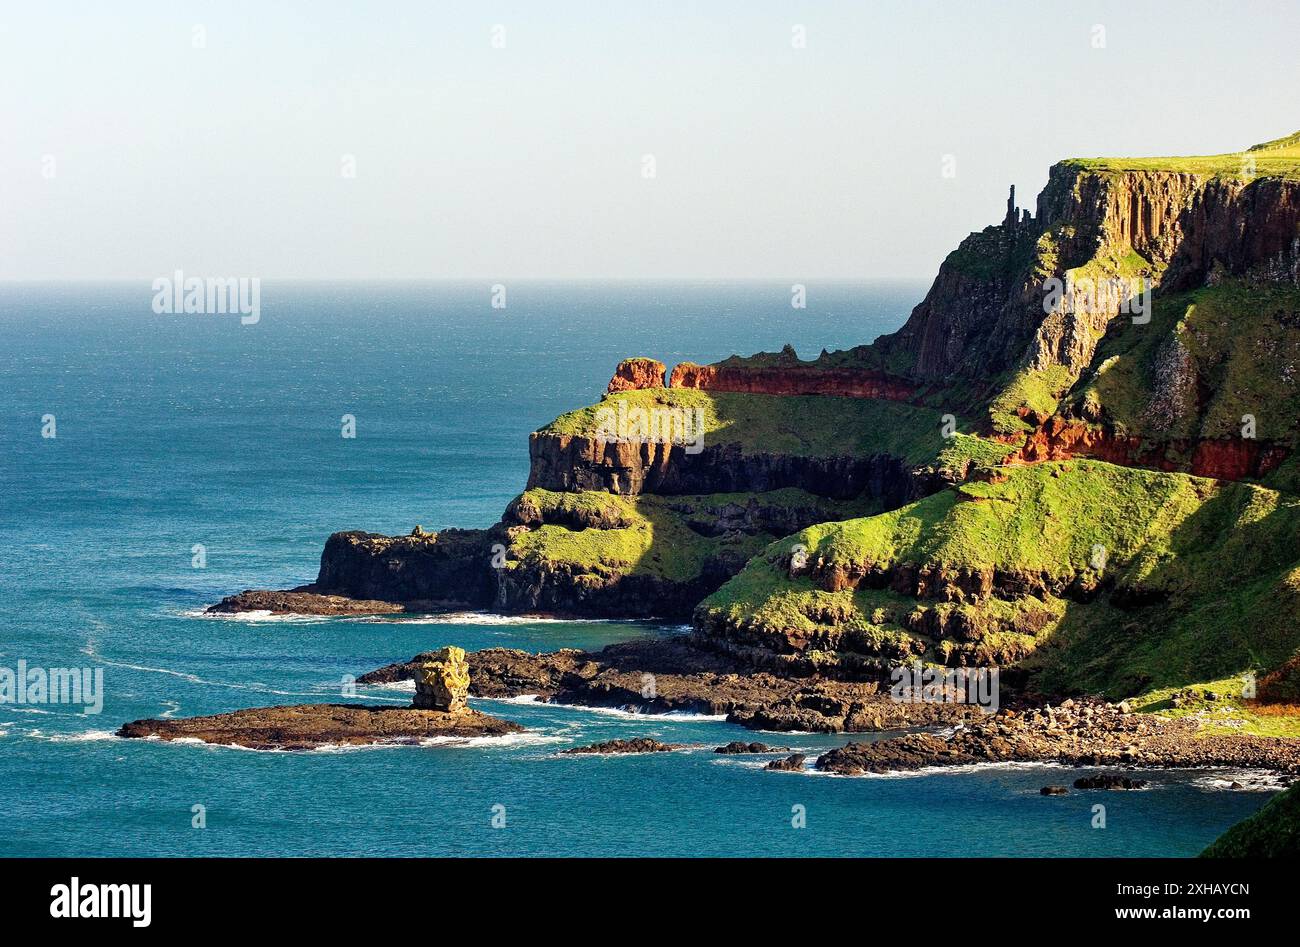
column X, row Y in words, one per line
column 798, row 425
column 1277, row 158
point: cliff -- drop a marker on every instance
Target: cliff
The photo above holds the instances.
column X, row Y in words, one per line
column 992, row 341
column 955, row 439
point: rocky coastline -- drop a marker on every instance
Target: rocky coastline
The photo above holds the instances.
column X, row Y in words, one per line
column 997, row 484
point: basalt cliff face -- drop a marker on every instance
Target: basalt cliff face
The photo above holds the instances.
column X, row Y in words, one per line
column 575, row 462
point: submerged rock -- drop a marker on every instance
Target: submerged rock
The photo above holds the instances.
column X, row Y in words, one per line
column 1054, row 791
column 1109, row 781
column 635, row 745
column 740, row 746
column 304, row 600
column 791, row 764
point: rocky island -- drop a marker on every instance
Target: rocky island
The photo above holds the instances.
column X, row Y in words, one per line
column 439, row 711
column 1074, row 463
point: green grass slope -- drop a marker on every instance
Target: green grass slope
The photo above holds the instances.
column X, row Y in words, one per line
column 1208, row 358
column 670, row 537
column 1103, row 579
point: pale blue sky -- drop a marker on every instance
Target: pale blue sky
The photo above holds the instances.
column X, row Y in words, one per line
column 478, row 162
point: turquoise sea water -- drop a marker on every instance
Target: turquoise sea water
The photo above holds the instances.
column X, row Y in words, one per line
column 178, row 430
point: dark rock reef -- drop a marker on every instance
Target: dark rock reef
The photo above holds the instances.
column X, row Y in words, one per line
column 662, row 675
column 618, row 747
column 311, row 726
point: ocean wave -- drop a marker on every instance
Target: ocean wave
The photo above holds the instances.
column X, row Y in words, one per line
column 195, row 679
column 503, row 741
column 256, row 615
column 476, row 618
column 680, row 716
column 964, row 768
column 86, row 736
column 1247, row 780
column 83, row 736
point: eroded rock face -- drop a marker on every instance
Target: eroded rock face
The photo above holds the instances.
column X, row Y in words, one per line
column 442, row 681
column 565, row 462
column 633, row 374
column 426, row 571
column 1060, row 438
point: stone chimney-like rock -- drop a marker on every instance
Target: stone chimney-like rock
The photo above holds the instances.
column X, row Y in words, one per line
column 636, row 373
column 442, row 682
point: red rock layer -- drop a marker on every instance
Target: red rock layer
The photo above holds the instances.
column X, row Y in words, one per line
column 1220, row 458
column 636, row 373
column 839, row 382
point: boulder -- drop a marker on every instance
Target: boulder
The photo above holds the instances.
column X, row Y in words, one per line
column 791, row 764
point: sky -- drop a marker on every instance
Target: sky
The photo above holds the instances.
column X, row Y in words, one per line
column 510, row 140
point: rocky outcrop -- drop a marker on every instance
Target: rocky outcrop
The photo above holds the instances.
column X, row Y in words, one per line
column 304, row 600
column 984, row 316
column 569, row 589
column 311, row 726
column 979, row 314
column 617, row 747
column 739, row 746
column 442, row 681
column 1078, row 733
column 633, row 374
column 425, row 571
column 671, row 674
column 791, row 764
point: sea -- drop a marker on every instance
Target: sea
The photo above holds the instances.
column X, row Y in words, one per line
column 153, row 463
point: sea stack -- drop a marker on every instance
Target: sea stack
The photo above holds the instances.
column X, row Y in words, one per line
column 442, row 682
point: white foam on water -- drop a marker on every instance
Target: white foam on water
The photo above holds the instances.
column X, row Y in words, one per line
column 256, row 615
column 523, row 738
column 964, row 768
column 258, row 688
column 681, row 716
column 1248, row 780
column 87, row 736
column 475, row 618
